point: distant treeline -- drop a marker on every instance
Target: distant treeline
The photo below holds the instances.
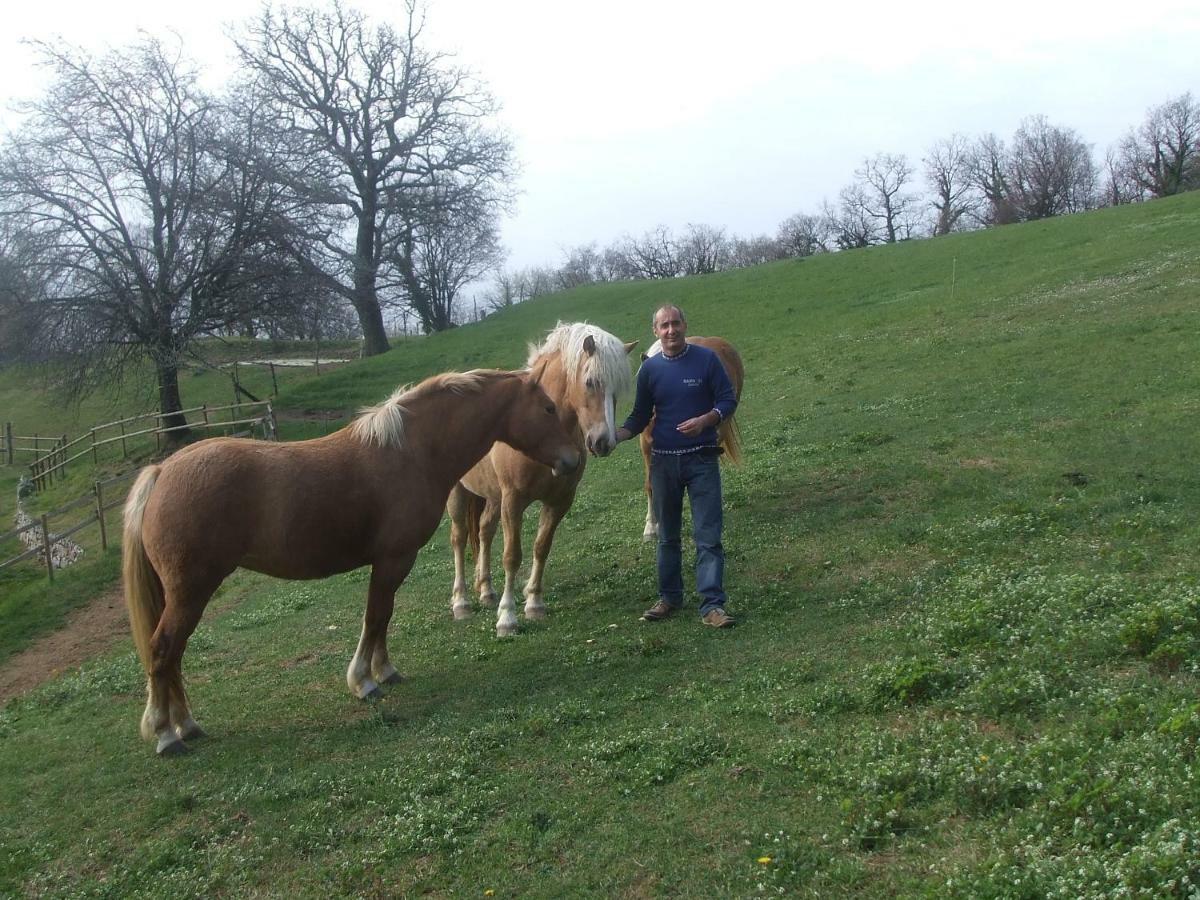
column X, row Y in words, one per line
column 960, row 184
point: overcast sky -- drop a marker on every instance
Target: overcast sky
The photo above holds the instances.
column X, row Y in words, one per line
column 629, row 114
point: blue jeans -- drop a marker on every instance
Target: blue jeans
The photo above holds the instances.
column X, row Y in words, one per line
column 698, row 474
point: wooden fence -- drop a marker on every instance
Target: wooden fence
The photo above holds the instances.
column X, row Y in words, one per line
column 52, row 462
column 33, row 444
column 101, row 500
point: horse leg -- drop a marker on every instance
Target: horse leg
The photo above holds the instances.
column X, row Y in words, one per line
column 456, row 507
column 371, row 656
column 547, row 524
column 511, row 511
column 489, row 521
column 168, row 718
column 650, row 531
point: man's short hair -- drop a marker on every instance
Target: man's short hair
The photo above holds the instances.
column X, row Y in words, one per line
column 678, row 309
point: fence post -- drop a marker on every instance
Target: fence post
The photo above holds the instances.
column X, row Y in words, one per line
column 274, row 383
column 8, row 441
column 100, row 515
column 124, row 448
column 46, row 546
column 272, row 425
column 95, row 457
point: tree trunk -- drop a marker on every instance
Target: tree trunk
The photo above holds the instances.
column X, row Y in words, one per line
column 170, row 404
column 366, row 298
column 370, row 317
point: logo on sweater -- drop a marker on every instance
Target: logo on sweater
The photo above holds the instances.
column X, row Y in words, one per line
column 692, row 382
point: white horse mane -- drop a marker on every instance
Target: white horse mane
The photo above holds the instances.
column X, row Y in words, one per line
column 609, row 364
column 384, row 424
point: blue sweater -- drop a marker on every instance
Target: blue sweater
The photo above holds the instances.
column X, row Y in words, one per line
column 674, row 389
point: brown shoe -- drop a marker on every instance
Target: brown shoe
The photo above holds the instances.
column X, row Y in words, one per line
column 718, row 618
column 660, row 610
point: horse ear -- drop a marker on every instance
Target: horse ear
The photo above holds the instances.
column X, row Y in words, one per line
column 629, row 347
column 589, row 345
column 536, row 373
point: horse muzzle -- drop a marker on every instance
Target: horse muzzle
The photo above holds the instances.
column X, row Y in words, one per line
column 600, row 445
column 567, row 462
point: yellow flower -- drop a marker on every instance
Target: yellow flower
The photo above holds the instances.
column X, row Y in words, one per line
column 489, row 893
column 764, row 860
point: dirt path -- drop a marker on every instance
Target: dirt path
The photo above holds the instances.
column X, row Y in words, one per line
column 89, row 631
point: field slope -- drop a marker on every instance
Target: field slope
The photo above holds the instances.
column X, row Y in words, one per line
column 963, row 550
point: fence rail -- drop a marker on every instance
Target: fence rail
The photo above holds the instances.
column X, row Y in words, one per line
column 100, row 505
column 53, row 455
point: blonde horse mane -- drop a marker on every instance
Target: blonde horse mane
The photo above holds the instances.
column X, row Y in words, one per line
column 609, row 364
column 383, row 425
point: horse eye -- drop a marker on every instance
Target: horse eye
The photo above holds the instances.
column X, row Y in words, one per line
column 550, row 409
column 591, row 384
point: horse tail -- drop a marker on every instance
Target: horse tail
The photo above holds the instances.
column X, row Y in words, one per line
column 143, row 589
column 730, row 434
column 475, row 505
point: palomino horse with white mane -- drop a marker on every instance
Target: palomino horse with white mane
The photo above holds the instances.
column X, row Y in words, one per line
column 728, row 433
column 369, row 494
column 586, row 373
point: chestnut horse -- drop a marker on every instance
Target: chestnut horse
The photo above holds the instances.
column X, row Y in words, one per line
column 586, row 373
column 728, row 432
column 369, row 494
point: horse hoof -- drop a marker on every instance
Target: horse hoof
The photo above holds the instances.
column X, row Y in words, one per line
column 172, row 747
column 535, row 612
column 191, row 731
column 503, row 631
column 490, row 599
column 393, row 678
column 648, row 536
column 368, row 690
column 461, row 611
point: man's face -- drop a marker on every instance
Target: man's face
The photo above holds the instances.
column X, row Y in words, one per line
column 671, row 331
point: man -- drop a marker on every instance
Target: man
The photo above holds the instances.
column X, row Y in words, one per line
column 686, row 390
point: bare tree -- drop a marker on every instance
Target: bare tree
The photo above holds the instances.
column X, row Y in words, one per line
column 1119, row 184
column 448, row 242
column 702, row 250
column 147, row 228
column 990, row 175
column 948, row 168
column 654, row 255
column 883, row 178
column 1163, row 155
column 581, row 265
column 850, row 223
column 754, row 251
column 373, row 120
column 804, row 234
column 1050, row 170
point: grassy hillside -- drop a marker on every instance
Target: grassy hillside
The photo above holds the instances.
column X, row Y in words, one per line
column 962, row 549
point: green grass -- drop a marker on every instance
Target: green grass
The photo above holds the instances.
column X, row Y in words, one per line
column 963, row 552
